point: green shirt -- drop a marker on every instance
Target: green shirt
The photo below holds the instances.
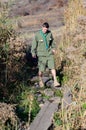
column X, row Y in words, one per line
column 43, row 46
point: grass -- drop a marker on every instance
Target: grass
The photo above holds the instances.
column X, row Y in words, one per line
column 73, row 118
column 74, row 9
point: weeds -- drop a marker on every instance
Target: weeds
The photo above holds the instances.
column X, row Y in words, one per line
column 74, row 117
column 28, row 107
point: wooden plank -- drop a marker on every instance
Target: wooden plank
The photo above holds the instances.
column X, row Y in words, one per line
column 44, row 118
column 36, row 121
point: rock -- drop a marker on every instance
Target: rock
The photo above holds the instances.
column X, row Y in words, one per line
column 48, row 81
column 67, row 97
column 48, row 92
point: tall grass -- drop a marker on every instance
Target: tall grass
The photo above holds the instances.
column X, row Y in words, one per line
column 74, row 9
column 74, row 117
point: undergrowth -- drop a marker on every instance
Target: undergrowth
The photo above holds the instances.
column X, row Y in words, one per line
column 71, row 50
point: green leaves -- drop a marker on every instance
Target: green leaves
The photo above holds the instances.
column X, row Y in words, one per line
column 84, row 106
column 58, row 93
column 57, row 119
column 28, row 105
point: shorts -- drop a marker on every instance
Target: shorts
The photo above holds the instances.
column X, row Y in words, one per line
column 46, row 61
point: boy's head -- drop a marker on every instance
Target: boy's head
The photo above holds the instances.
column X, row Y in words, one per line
column 45, row 27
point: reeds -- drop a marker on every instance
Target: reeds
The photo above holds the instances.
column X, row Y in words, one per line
column 72, row 12
column 71, row 51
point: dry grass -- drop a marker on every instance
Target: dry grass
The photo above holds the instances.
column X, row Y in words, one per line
column 74, row 116
column 74, row 9
column 7, row 111
column 70, row 43
column 71, row 15
column 71, row 50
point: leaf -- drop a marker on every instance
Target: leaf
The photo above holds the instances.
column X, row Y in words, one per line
column 58, row 122
column 84, row 106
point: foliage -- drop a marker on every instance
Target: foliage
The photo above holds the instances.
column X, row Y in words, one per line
column 58, row 93
column 8, row 118
column 71, row 49
column 45, row 96
column 28, row 106
column 6, row 32
column 57, row 119
column 84, row 106
column 71, row 118
column 14, row 73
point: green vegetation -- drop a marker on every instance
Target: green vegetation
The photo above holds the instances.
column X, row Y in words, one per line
column 57, row 119
column 71, row 50
column 58, row 93
column 28, row 106
column 84, row 106
column 45, row 96
column 15, row 86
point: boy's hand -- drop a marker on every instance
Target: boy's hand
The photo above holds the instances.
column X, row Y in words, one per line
column 53, row 51
column 34, row 56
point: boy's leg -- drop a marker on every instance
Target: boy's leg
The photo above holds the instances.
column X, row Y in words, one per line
column 53, row 71
column 51, row 66
column 41, row 65
column 41, row 84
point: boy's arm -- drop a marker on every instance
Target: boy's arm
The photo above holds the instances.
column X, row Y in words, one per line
column 53, row 45
column 34, row 47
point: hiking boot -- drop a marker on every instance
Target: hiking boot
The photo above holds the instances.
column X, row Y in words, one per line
column 41, row 84
column 56, row 84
